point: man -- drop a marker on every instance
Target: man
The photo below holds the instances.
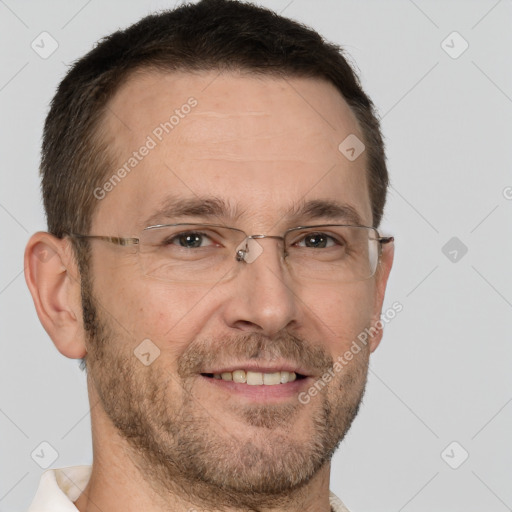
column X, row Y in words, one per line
column 213, row 178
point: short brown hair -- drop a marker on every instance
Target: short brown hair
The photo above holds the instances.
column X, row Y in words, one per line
column 209, row 35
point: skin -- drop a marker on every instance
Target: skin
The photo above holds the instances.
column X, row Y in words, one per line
column 262, row 145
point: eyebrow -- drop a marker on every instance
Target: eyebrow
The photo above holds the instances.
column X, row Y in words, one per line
column 325, row 209
column 177, row 208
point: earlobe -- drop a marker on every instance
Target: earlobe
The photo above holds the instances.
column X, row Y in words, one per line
column 53, row 280
column 381, row 279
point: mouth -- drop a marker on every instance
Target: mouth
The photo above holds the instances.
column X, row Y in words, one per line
column 258, row 384
column 256, row 378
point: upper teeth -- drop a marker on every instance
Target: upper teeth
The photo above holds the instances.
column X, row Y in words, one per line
column 257, row 378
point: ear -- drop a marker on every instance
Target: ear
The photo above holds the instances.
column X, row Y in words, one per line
column 53, row 279
column 381, row 280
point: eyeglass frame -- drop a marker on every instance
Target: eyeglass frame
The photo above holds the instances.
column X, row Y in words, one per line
column 240, row 253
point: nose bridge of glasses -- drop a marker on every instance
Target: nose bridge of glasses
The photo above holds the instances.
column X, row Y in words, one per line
column 250, row 249
column 265, row 236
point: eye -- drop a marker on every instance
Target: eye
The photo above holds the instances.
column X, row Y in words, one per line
column 190, row 240
column 317, row 241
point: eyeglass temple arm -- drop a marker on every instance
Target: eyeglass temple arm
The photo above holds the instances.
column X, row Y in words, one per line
column 112, row 239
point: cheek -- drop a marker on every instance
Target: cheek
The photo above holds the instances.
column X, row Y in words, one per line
column 166, row 313
column 340, row 315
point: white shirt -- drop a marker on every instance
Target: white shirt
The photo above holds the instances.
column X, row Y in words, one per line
column 59, row 488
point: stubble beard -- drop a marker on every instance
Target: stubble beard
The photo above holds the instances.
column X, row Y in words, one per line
column 180, row 447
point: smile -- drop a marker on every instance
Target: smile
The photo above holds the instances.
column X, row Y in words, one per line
column 253, row 378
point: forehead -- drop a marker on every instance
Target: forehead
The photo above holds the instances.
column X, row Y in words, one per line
column 258, row 143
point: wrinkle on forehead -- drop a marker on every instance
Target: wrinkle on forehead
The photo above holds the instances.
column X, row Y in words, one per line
column 224, row 115
column 258, row 137
column 148, row 99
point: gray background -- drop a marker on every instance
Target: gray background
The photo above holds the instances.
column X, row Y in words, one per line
column 442, row 373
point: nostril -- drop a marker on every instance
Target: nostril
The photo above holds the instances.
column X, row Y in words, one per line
column 246, row 325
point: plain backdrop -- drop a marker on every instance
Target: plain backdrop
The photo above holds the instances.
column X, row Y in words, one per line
column 434, row 432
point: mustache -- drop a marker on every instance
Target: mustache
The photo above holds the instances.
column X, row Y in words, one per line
column 211, row 353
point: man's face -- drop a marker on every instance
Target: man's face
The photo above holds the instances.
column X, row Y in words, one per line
column 264, row 147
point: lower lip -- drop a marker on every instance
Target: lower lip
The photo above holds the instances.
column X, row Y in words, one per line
column 261, row 393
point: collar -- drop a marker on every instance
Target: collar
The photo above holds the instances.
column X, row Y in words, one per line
column 59, row 488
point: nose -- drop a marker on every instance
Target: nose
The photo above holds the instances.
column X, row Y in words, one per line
column 263, row 298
